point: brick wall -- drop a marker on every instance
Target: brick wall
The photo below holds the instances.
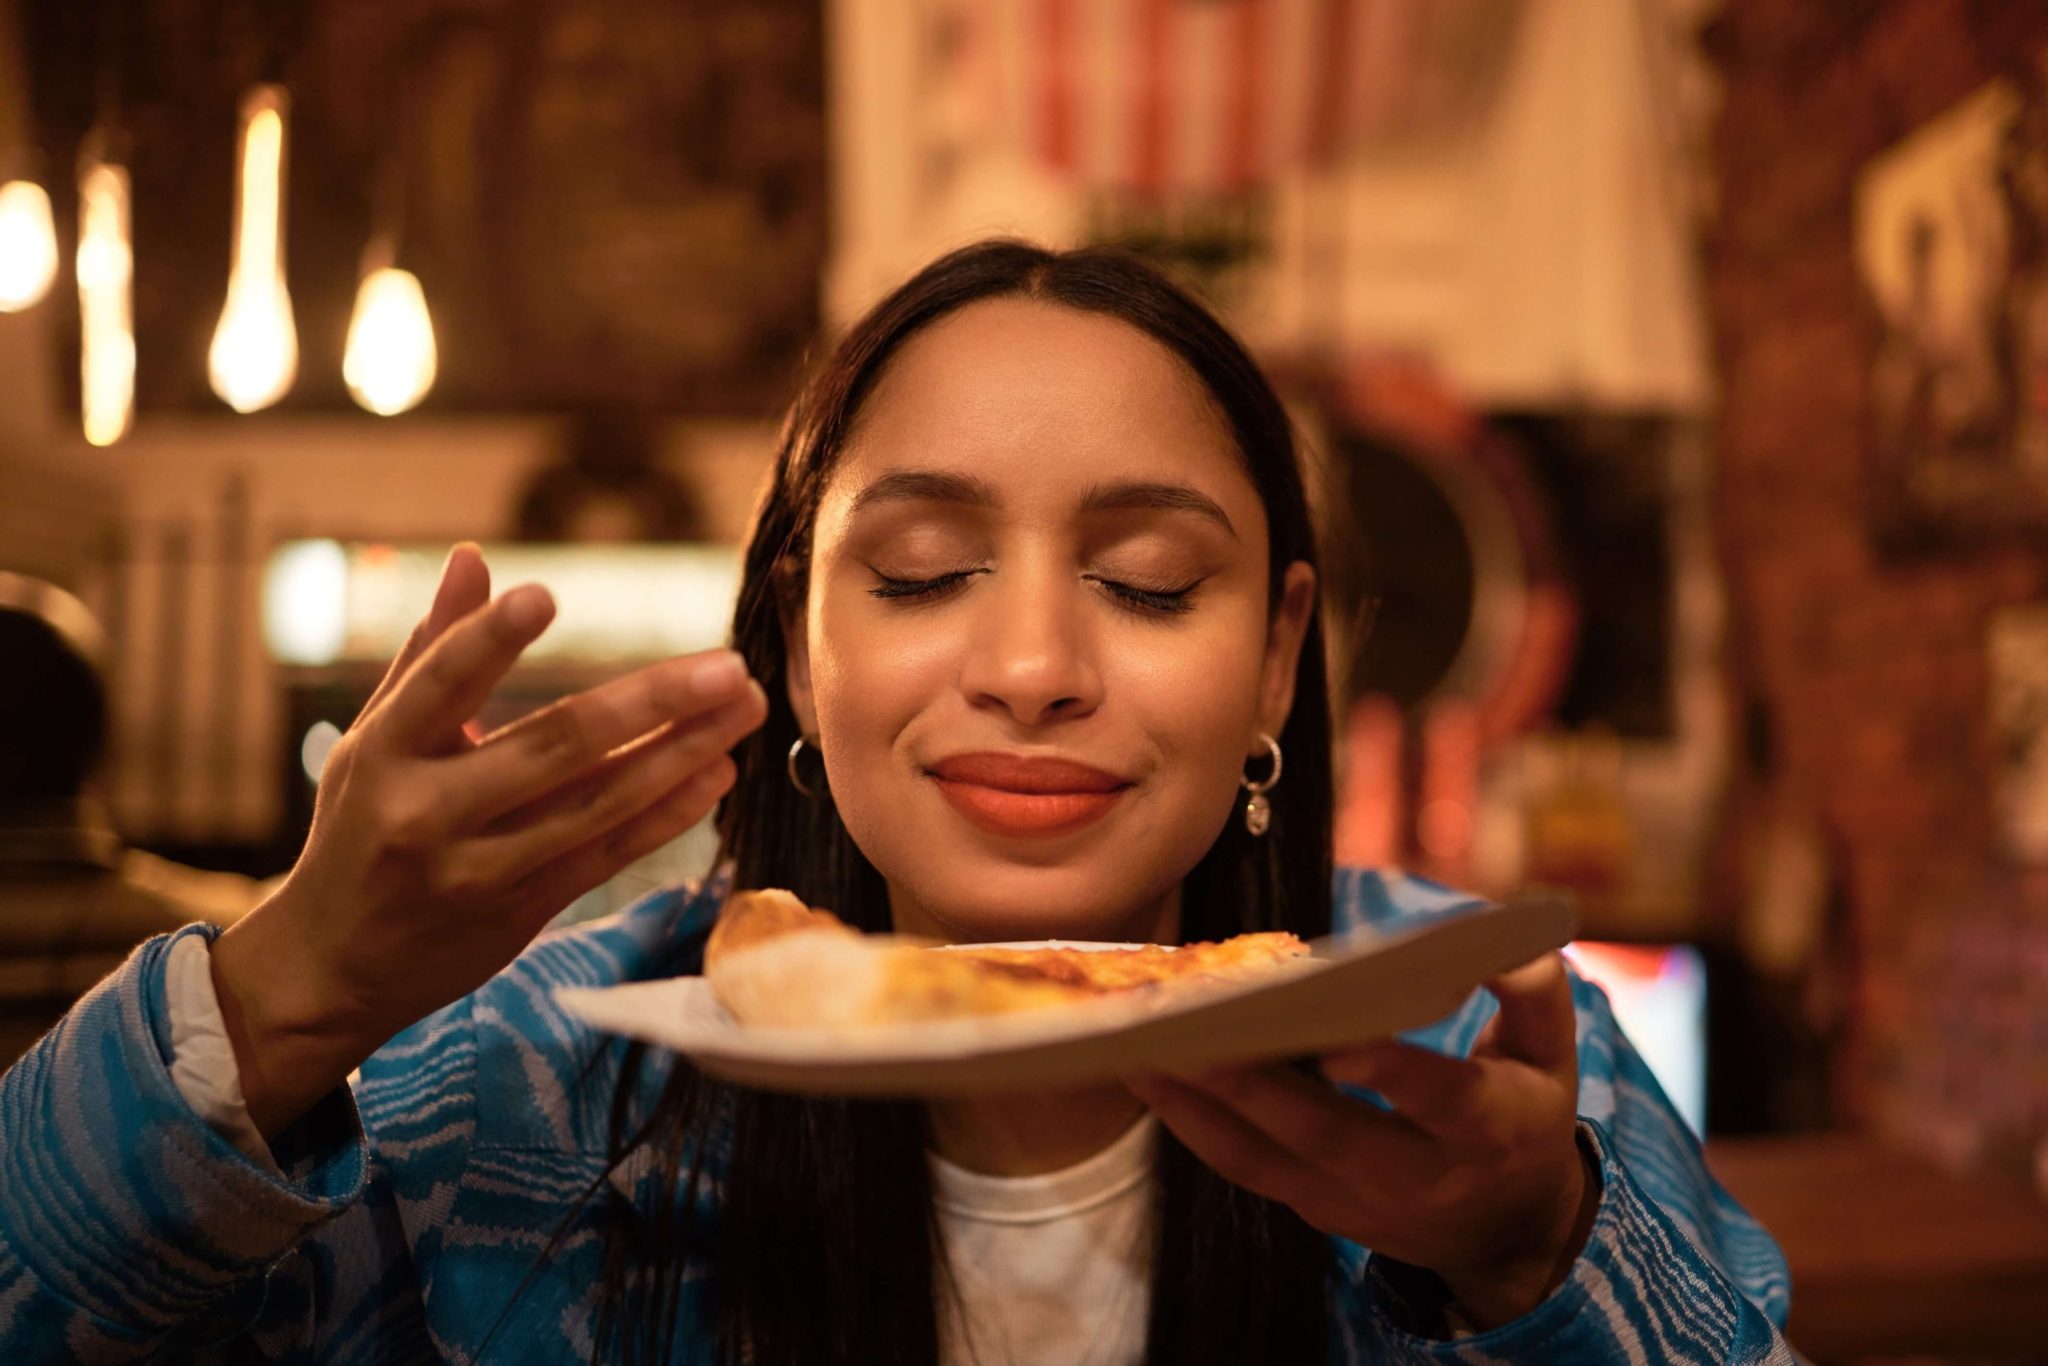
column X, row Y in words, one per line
column 1871, row 670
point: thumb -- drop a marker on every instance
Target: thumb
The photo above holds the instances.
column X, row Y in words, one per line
column 1536, row 1023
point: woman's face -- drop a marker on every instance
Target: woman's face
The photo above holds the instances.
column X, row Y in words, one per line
column 1035, row 651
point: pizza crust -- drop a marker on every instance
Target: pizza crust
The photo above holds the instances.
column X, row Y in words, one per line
column 777, row 963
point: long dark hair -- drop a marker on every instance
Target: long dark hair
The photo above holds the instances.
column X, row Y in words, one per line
column 824, row 1245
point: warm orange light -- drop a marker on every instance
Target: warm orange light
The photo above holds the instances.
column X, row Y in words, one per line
column 255, row 353
column 106, row 272
column 391, row 359
column 28, row 245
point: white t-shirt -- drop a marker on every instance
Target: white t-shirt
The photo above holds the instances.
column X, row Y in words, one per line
column 1051, row 1270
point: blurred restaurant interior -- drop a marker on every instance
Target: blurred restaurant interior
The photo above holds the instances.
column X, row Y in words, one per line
column 1668, row 370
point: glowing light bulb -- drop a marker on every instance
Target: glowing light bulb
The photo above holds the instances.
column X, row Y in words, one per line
column 106, row 272
column 255, row 353
column 391, row 359
column 28, row 245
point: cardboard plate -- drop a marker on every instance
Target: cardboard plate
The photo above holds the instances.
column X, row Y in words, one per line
column 1352, row 989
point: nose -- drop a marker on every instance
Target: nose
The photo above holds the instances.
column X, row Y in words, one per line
column 1032, row 656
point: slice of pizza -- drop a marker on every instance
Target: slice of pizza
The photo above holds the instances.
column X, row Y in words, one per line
column 773, row 961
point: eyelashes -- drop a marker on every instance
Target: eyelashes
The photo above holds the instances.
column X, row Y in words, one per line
column 920, row 590
column 1159, row 601
column 1165, row 600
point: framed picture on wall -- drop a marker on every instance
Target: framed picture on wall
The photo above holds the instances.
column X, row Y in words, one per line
column 1951, row 229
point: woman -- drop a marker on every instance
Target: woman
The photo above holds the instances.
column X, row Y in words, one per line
column 1029, row 606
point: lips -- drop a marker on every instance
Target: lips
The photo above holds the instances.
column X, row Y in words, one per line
column 1019, row 795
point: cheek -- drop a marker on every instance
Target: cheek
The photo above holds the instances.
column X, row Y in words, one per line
column 869, row 678
column 1196, row 695
column 874, row 681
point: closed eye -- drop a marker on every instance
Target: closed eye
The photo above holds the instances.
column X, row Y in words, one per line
column 920, row 590
column 1164, row 600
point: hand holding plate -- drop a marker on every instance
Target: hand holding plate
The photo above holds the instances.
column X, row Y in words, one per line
column 1475, row 1174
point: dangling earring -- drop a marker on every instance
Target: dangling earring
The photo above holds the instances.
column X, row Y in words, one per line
column 1258, row 812
column 795, row 779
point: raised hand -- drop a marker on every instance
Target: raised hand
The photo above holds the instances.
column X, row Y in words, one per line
column 1475, row 1175
column 435, row 856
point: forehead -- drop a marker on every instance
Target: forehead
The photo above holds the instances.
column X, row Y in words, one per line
column 1030, row 396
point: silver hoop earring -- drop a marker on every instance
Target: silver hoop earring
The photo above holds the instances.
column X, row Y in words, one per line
column 795, row 779
column 1258, row 812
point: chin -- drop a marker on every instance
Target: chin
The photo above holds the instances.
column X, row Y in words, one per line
column 989, row 899
column 1109, row 881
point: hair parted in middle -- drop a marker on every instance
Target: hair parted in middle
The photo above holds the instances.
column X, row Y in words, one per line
column 824, row 1246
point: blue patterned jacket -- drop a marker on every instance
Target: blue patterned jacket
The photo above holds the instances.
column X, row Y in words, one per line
column 412, row 1209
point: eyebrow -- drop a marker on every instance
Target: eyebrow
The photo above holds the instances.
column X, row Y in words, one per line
column 937, row 486
column 1150, row 497
column 930, row 486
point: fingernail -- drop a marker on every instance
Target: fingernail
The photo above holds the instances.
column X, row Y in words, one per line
column 527, row 607
column 719, row 675
column 455, row 552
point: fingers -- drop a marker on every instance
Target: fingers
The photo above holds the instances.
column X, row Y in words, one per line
column 553, row 886
column 1231, row 1145
column 1435, row 1092
column 707, row 698
column 1338, row 1135
column 457, row 672
column 620, row 789
column 465, row 586
column 1536, row 1023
